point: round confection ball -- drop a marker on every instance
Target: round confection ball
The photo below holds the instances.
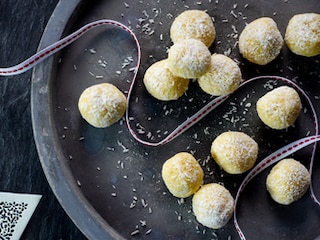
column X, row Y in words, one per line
column 279, row 108
column 162, row 84
column 223, row 76
column 213, row 205
column 182, row 174
column 260, row 42
column 288, row 181
column 101, row 105
column 195, row 24
column 303, row 34
column 189, row 58
column 235, row 152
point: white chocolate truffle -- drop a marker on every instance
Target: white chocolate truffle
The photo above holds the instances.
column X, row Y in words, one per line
column 213, row 205
column 194, row 24
column 235, row 152
column 279, row 108
column 223, row 77
column 260, row 42
column 303, row 34
column 162, row 84
column 189, row 58
column 182, row 174
column 288, row 181
column 102, row 105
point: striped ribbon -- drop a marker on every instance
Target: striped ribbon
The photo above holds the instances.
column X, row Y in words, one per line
column 265, row 163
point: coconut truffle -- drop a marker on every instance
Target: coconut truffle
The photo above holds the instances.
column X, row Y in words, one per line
column 162, row 84
column 213, row 205
column 102, row 105
column 182, row 174
column 260, row 42
column 194, row 24
column 235, row 152
column 223, row 77
column 279, row 108
column 288, row 181
column 189, row 58
column 303, row 34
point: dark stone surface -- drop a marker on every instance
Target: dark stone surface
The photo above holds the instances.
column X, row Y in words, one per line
column 21, row 26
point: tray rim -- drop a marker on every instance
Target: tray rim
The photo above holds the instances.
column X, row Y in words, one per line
column 68, row 194
column 46, row 69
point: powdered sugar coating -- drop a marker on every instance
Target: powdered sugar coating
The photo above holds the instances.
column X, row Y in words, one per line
column 182, row 175
column 288, row 181
column 280, row 107
column 303, row 34
column 101, row 105
column 213, row 205
column 223, row 77
column 189, row 58
column 260, row 42
column 162, row 84
column 235, row 152
column 194, row 24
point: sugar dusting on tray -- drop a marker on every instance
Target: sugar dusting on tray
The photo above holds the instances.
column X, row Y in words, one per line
column 150, row 25
column 147, row 24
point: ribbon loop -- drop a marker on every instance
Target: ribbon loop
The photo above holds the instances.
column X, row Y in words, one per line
column 189, row 122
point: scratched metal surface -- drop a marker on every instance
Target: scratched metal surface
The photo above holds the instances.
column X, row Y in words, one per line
column 109, row 184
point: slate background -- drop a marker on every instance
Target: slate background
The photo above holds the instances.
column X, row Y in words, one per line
column 21, row 26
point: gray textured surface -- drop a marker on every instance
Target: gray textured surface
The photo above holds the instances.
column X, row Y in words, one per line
column 21, row 27
column 22, row 24
column 111, row 177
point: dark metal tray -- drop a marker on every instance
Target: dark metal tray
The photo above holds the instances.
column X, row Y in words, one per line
column 109, row 184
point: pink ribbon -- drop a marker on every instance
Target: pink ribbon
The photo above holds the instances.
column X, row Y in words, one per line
column 265, row 163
